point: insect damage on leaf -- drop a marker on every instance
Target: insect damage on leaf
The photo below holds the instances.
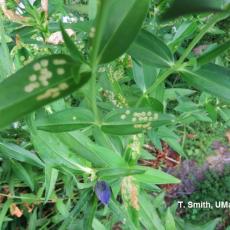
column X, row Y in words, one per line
column 42, row 76
column 145, row 118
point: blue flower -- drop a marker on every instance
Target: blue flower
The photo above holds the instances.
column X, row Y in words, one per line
column 103, row 192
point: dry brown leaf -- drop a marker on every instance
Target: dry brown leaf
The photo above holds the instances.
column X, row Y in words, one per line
column 44, row 5
column 15, row 211
column 227, row 134
column 56, row 38
column 11, row 15
column 29, row 207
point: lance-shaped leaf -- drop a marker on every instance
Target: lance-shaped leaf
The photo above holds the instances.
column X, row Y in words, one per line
column 151, row 50
column 73, row 50
column 97, row 155
column 23, row 174
column 13, row 151
column 154, row 176
column 51, row 176
column 112, row 173
column 133, row 121
column 55, row 153
column 118, row 23
column 67, row 120
column 211, row 78
column 169, row 221
column 90, row 213
column 184, row 7
column 213, row 53
column 37, row 84
column 144, row 75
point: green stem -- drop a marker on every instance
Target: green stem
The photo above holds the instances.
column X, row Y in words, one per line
column 7, row 61
column 214, row 19
column 93, row 90
column 94, row 62
column 159, row 80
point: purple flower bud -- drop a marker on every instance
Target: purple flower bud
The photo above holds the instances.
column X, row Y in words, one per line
column 103, row 192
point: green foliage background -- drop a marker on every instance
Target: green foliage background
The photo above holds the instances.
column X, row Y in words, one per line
column 85, row 87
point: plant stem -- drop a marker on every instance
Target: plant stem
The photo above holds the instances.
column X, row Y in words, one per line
column 159, row 80
column 214, row 19
column 7, row 61
column 93, row 89
column 94, row 64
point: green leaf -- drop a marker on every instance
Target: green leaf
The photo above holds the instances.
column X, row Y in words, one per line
column 90, row 213
column 144, row 75
column 213, row 53
column 212, row 111
column 133, row 121
column 38, row 84
column 62, row 208
column 118, row 23
column 112, row 142
column 55, row 153
column 97, row 155
column 174, row 93
column 66, row 120
column 154, row 176
column 211, row 225
column 5, row 59
column 22, row 174
column 169, row 221
column 13, row 151
column 150, row 50
column 211, row 78
column 4, row 210
column 183, row 32
column 152, row 103
column 51, row 176
column 97, row 225
column 92, row 9
column 185, row 7
column 73, row 50
column 84, row 197
column 118, row 172
column 32, row 223
column 171, row 139
column 119, row 211
column 148, row 214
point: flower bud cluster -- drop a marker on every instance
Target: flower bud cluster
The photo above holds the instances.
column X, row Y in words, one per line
column 129, row 192
column 135, row 147
column 119, row 101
